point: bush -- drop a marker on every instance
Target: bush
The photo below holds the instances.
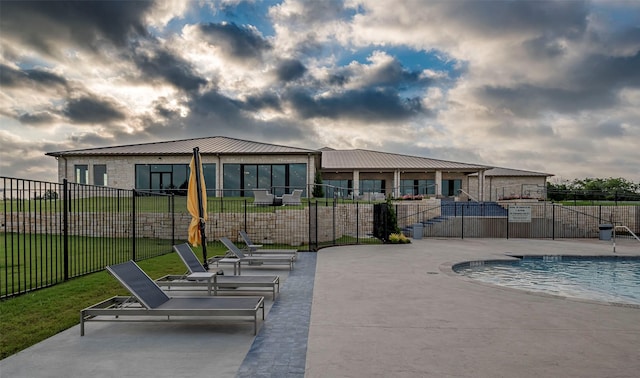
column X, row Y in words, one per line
column 397, row 238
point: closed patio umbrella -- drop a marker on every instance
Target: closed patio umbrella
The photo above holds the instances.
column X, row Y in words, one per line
column 197, row 205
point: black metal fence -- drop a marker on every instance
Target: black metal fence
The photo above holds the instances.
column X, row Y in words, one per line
column 311, row 225
column 53, row 232
column 514, row 220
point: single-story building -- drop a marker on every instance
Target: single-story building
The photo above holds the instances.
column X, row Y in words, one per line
column 234, row 167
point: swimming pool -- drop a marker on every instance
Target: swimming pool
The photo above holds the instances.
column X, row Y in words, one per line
column 607, row 279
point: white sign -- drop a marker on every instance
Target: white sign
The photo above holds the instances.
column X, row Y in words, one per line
column 520, row 214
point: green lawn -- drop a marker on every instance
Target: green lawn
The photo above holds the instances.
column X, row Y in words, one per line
column 37, row 260
column 146, row 204
column 30, row 318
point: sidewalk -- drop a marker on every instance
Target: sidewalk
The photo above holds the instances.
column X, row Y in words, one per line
column 372, row 311
column 385, row 311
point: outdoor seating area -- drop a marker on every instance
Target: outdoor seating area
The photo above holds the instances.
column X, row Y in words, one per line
column 197, row 277
column 148, row 303
column 262, row 197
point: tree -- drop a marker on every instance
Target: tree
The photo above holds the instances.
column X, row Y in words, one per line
column 594, row 189
column 318, row 190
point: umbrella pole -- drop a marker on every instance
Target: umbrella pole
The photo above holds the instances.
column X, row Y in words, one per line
column 196, row 156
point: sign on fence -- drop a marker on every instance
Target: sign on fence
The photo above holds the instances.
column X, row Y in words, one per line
column 520, row 214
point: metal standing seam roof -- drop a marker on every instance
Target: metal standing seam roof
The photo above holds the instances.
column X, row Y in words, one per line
column 208, row 145
column 366, row 159
column 508, row 172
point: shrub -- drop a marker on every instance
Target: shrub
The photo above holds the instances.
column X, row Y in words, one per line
column 397, row 238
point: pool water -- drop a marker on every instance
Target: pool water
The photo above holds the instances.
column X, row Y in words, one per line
column 608, row 279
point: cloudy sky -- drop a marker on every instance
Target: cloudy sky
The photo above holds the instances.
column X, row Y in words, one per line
column 548, row 86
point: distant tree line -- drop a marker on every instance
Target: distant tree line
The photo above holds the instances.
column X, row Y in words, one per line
column 594, row 189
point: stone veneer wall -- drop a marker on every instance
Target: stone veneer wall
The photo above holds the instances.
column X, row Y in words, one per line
column 291, row 226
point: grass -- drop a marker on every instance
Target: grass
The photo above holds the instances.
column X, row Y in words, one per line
column 25, row 263
column 149, row 204
column 30, row 318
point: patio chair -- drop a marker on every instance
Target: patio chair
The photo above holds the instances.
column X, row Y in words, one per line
column 149, row 303
column 292, row 199
column 262, row 197
column 241, row 257
column 199, row 277
column 256, row 249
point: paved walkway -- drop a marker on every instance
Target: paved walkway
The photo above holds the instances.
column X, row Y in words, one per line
column 280, row 349
column 372, row 311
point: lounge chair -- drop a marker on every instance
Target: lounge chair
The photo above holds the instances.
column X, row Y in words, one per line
column 293, row 198
column 241, row 257
column 148, row 302
column 262, row 197
column 256, row 249
column 199, row 277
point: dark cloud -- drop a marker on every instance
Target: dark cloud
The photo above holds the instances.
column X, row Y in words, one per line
column 162, row 108
column 394, row 74
column 594, row 84
column 609, row 129
column 605, row 72
column 529, row 101
column 495, row 18
column 162, row 64
column 92, row 110
column 40, row 118
column 235, row 41
column 262, row 101
column 290, row 69
column 382, row 105
column 43, row 25
column 16, row 78
column 544, row 47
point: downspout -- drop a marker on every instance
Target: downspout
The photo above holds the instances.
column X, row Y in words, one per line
column 66, row 163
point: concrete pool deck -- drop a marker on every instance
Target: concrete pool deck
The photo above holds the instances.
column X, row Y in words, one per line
column 373, row 311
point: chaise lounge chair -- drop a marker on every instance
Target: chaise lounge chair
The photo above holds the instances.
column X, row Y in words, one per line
column 148, row 302
column 199, row 277
column 241, row 257
column 256, row 249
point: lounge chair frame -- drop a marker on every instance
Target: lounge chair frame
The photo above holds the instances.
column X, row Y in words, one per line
column 256, row 249
column 198, row 277
column 149, row 303
column 240, row 257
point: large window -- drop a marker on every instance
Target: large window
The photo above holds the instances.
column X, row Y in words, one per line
column 82, row 173
column 338, row 188
column 451, row 187
column 414, row 187
column 100, row 175
column 209, row 171
column 171, row 178
column 372, row 186
column 241, row 179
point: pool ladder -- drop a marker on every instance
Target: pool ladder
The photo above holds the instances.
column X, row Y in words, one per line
column 624, row 228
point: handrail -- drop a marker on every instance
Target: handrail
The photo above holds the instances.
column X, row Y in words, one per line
column 614, row 235
column 468, row 195
column 628, row 230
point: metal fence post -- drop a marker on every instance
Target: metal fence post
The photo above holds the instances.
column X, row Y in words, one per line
column 357, row 223
column 462, row 222
column 508, row 221
column 65, row 228
column 172, row 205
column 553, row 223
column 133, row 225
